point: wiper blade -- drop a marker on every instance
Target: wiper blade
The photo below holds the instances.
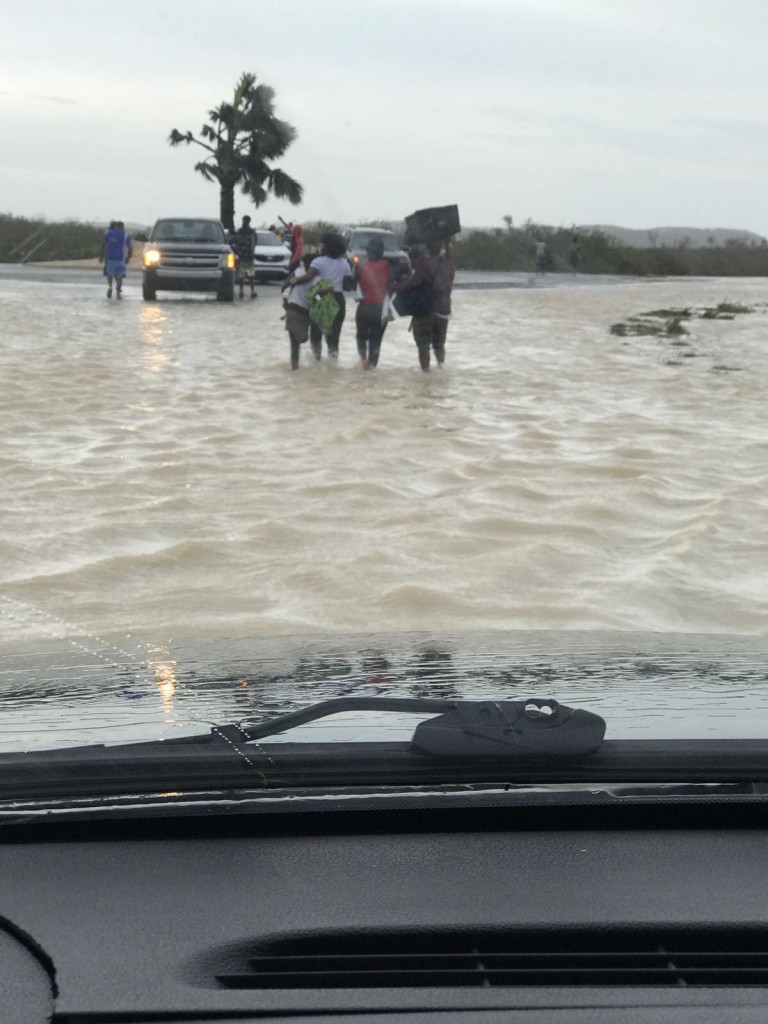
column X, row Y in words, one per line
column 489, row 733
column 464, row 743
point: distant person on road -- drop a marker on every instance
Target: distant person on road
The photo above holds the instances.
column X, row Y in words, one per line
column 287, row 231
column 248, row 237
column 331, row 266
column 437, row 268
column 296, row 247
column 541, row 257
column 574, row 254
column 115, row 254
column 374, row 286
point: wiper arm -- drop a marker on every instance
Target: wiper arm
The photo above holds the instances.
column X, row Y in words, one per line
column 482, row 728
column 340, row 705
column 466, row 741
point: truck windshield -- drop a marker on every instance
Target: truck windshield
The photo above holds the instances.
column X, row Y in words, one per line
column 188, row 231
column 360, row 240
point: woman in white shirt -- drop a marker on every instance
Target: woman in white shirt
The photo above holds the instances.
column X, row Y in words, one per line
column 332, row 266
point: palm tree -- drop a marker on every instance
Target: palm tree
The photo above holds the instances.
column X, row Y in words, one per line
column 241, row 139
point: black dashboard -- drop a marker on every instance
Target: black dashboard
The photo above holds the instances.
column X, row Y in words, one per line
column 142, row 922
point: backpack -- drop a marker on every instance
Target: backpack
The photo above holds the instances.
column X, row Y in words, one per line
column 416, row 301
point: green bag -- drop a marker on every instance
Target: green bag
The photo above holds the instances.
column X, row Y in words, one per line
column 323, row 306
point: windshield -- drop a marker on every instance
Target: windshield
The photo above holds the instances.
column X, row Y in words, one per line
column 523, row 457
column 360, row 240
column 187, row 231
column 267, row 238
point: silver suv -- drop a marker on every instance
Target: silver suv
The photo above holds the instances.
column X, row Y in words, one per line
column 356, row 240
column 188, row 254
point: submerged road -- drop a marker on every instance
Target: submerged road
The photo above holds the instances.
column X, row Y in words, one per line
column 47, row 274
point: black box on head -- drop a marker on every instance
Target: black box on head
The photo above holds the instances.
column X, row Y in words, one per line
column 435, row 224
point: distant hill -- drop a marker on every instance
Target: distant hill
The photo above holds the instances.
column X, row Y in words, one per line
column 695, row 238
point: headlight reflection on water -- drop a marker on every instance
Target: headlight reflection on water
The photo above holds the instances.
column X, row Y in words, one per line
column 164, row 669
column 154, row 332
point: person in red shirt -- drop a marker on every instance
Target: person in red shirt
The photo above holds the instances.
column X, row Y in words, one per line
column 374, row 285
column 296, row 247
column 437, row 268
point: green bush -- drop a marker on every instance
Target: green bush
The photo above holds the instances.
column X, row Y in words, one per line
column 23, row 239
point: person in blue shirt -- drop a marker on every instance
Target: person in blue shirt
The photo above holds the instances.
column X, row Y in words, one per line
column 116, row 251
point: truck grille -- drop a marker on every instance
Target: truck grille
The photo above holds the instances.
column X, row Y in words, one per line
column 177, row 261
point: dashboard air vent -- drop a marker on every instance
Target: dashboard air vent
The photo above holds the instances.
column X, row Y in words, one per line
column 550, row 957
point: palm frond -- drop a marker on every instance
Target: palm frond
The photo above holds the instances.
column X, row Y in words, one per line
column 209, row 172
column 176, row 137
column 256, row 191
column 286, row 187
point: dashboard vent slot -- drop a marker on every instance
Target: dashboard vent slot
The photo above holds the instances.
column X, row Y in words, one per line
column 520, row 958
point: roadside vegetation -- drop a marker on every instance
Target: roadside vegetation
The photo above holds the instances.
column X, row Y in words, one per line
column 512, row 248
column 503, row 249
column 24, row 239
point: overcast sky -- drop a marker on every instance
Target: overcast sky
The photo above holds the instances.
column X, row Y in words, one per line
column 640, row 113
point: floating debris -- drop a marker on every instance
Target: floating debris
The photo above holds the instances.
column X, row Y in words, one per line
column 638, row 326
column 678, row 314
column 647, row 325
column 668, row 325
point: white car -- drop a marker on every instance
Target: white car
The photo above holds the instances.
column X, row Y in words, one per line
column 270, row 257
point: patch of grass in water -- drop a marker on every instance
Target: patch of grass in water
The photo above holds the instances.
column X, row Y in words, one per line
column 648, row 325
column 733, row 307
column 725, row 311
column 666, row 314
column 675, row 326
column 637, row 328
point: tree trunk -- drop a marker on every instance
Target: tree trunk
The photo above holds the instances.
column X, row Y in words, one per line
column 227, row 206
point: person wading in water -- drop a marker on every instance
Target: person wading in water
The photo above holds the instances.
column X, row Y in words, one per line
column 438, row 269
column 374, row 284
column 115, row 254
column 331, row 266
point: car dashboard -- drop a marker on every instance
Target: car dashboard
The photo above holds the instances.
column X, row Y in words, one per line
column 412, row 912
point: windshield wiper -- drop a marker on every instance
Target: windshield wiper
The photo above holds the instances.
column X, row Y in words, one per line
column 466, row 743
column 463, row 733
column 477, row 728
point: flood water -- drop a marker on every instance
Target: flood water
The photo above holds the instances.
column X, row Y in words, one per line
column 168, row 481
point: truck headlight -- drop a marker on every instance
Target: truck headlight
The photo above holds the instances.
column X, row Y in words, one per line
column 151, row 257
